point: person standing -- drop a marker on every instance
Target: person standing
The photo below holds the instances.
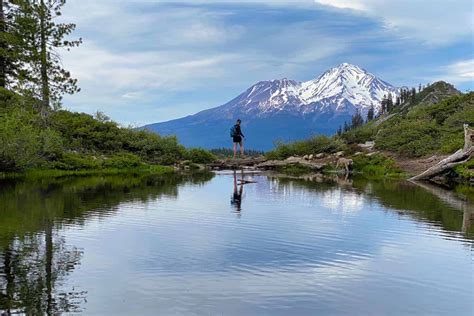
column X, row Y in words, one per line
column 237, row 138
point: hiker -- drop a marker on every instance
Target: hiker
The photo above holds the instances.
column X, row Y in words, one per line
column 237, row 138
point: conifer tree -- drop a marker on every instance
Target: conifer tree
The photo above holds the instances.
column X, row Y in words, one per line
column 42, row 37
column 346, row 127
column 11, row 52
column 357, row 120
column 413, row 94
column 370, row 114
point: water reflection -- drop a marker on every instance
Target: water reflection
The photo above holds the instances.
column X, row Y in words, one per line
column 35, row 260
column 164, row 245
column 236, row 199
column 428, row 203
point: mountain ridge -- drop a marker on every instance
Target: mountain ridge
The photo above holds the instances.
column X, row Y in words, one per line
column 284, row 109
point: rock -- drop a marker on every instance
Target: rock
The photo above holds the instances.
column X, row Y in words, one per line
column 306, row 157
column 339, row 154
column 310, row 157
column 367, row 145
column 358, row 153
column 320, row 155
column 273, row 164
column 371, row 154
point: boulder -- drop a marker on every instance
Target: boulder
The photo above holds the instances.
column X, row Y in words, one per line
column 339, row 154
column 367, row 145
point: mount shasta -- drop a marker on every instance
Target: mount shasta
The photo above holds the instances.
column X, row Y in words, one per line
column 283, row 110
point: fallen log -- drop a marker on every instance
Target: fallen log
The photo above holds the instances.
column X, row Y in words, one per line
column 459, row 157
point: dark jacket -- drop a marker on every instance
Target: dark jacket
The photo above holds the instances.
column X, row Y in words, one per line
column 238, row 131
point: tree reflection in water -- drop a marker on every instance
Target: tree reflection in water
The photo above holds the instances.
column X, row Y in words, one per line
column 34, row 258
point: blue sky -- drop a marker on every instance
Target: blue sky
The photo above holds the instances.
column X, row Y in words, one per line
column 150, row 61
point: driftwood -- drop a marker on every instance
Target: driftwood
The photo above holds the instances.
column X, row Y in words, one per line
column 459, row 157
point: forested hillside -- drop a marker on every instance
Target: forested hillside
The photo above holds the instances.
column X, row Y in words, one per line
column 427, row 122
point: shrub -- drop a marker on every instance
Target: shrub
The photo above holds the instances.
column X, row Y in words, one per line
column 199, row 155
column 376, row 166
column 122, row 161
column 313, row 145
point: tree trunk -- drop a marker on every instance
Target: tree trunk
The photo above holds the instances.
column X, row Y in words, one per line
column 459, row 157
column 3, row 47
column 49, row 268
column 44, row 58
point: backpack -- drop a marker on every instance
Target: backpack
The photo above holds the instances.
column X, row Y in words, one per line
column 233, row 131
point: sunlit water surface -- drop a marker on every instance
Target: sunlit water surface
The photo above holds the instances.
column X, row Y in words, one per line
column 205, row 245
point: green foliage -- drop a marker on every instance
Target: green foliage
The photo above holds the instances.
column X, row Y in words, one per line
column 76, row 141
column 24, row 142
column 465, row 170
column 376, row 166
column 199, row 155
column 360, row 134
column 41, row 38
column 313, row 145
column 427, row 129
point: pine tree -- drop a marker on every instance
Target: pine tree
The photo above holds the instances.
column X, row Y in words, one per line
column 3, row 45
column 46, row 78
column 389, row 103
column 346, row 127
column 357, row 120
column 11, row 56
column 413, row 95
column 371, row 114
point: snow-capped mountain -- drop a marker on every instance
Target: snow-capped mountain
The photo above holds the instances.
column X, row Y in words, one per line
column 343, row 85
column 284, row 109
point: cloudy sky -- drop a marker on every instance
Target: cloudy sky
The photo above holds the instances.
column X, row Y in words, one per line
column 147, row 61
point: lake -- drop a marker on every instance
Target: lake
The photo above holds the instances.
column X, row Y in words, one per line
column 202, row 244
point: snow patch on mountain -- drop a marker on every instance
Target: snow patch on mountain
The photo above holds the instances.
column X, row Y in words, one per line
column 343, row 89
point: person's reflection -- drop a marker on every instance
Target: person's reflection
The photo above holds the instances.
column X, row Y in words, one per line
column 236, row 199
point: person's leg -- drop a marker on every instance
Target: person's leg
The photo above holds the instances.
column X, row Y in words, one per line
column 235, row 150
column 242, row 148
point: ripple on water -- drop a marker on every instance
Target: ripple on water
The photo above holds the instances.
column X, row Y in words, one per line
column 293, row 248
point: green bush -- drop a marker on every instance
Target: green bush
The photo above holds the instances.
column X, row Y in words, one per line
column 122, row 161
column 199, row 155
column 313, row 145
column 465, row 170
column 24, row 142
column 426, row 129
column 376, row 166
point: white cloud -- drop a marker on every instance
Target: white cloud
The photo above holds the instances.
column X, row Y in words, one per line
column 458, row 73
column 434, row 22
column 462, row 70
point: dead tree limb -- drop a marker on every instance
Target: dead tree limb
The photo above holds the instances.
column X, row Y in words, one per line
column 459, row 157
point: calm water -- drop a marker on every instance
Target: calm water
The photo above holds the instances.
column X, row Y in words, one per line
column 201, row 244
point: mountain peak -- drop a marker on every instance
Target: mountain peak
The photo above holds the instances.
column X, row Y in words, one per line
column 286, row 109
